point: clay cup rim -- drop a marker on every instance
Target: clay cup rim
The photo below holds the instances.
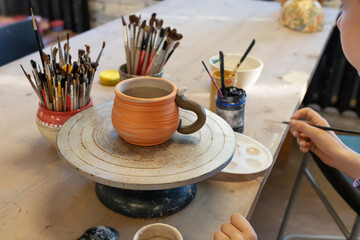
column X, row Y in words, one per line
column 157, row 228
column 145, row 82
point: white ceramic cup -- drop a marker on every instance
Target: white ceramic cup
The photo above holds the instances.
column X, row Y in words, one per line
column 248, row 72
column 158, row 231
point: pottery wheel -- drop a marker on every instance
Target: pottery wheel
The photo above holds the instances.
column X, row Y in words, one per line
column 90, row 144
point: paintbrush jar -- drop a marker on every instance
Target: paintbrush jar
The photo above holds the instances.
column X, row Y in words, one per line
column 49, row 122
column 124, row 75
column 231, row 107
column 302, row 15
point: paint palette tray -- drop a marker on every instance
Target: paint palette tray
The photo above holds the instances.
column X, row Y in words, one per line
column 250, row 156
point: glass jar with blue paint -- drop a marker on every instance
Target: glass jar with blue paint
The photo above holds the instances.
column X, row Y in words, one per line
column 231, row 107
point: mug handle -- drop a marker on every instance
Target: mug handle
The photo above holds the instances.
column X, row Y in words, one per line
column 188, row 104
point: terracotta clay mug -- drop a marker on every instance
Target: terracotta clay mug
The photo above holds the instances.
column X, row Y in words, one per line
column 146, row 113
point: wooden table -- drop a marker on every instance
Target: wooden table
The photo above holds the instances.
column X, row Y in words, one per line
column 43, row 198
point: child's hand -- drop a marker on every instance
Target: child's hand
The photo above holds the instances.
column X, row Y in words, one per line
column 324, row 144
column 238, row 229
column 303, row 131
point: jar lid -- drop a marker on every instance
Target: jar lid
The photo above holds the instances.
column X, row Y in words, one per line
column 234, row 97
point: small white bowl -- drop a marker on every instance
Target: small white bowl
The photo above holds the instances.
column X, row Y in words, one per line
column 248, row 72
column 158, row 231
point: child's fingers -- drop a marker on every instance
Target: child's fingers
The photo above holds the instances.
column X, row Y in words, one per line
column 309, row 114
column 231, row 231
column 304, row 149
column 295, row 133
column 241, row 223
column 302, row 142
column 220, row 236
column 304, row 137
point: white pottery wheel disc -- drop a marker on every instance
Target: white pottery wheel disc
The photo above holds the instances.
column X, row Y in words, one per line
column 90, row 144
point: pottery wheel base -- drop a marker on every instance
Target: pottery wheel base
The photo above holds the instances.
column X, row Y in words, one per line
column 145, row 203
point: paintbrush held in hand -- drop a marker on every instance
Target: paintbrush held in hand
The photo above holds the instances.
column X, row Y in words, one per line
column 64, row 85
column 148, row 47
column 342, row 130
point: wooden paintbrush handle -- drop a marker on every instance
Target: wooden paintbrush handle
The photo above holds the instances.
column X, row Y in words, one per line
column 136, row 61
column 332, row 129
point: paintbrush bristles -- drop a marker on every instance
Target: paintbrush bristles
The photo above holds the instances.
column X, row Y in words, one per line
column 161, row 22
column 61, row 56
column 33, row 19
column 123, row 21
column 132, row 18
column 27, row 75
column 243, row 58
column 55, row 83
column 176, row 45
column 171, row 52
column 101, row 51
column 37, row 91
column 46, row 58
column 151, row 22
column 33, row 64
column 37, row 37
column 149, row 46
column 55, row 50
column 137, row 20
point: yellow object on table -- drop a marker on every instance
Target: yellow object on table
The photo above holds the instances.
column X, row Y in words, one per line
column 110, row 77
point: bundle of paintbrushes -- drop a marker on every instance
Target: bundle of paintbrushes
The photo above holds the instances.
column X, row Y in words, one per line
column 148, row 47
column 64, row 85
